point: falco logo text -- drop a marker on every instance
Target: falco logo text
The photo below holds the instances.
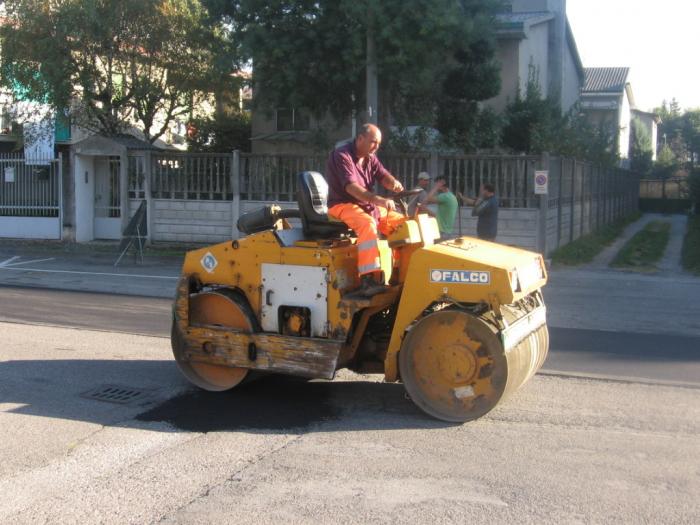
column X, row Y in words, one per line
column 460, row 277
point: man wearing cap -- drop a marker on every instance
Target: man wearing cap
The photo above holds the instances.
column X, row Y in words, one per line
column 418, row 204
column 351, row 173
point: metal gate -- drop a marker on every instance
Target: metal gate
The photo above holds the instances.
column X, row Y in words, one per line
column 31, row 194
column 107, row 198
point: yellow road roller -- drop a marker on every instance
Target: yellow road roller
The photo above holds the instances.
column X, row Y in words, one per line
column 462, row 323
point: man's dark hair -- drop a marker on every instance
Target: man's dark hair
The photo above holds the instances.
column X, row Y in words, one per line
column 489, row 187
column 440, row 177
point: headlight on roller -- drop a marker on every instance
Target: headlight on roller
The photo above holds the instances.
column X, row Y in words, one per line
column 530, row 274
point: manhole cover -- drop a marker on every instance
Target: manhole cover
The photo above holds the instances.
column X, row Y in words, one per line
column 122, row 395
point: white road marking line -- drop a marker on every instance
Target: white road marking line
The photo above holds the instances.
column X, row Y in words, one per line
column 90, row 273
column 8, row 261
column 7, row 264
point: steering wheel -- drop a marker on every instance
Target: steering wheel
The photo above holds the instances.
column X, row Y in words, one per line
column 406, row 193
column 401, row 196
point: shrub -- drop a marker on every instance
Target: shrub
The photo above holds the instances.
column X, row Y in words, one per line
column 220, row 133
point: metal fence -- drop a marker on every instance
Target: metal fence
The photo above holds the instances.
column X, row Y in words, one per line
column 581, row 196
column 273, row 177
column 188, row 176
column 30, row 187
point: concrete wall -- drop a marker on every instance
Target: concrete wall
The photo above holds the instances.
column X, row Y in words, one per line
column 534, row 51
column 516, row 227
column 30, row 228
column 211, row 222
column 625, row 124
column 508, row 55
column 571, row 82
column 191, row 221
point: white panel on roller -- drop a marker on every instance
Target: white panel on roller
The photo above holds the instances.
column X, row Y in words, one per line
column 293, row 285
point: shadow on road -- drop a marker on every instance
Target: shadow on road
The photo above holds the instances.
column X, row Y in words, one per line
column 270, row 404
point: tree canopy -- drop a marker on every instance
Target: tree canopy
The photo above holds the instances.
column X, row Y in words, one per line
column 114, row 63
column 680, row 131
column 534, row 123
column 431, row 55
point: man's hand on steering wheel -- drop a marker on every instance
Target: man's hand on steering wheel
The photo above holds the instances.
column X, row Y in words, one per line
column 389, row 204
column 397, row 187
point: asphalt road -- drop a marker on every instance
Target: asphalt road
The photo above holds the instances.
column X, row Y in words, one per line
column 659, row 358
column 354, row 450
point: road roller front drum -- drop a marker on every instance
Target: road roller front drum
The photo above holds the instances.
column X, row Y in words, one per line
column 455, row 367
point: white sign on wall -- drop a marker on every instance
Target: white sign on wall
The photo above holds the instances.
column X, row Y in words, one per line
column 10, row 174
column 541, row 182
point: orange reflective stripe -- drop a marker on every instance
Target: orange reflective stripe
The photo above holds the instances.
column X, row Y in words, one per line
column 368, row 245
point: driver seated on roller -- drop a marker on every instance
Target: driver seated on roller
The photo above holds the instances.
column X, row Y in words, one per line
column 351, row 173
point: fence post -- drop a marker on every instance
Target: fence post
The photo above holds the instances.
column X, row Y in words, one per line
column 573, row 200
column 124, row 189
column 542, row 215
column 559, row 197
column 235, row 192
column 60, row 195
column 433, row 164
column 148, row 194
column 583, row 200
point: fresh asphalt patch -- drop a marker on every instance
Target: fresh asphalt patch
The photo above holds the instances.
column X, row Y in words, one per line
column 271, row 403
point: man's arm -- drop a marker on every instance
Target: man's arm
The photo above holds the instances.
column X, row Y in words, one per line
column 480, row 208
column 364, row 195
column 390, row 183
column 431, row 198
column 385, row 178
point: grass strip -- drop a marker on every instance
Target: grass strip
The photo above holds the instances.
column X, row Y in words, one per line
column 584, row 249
column 645, row 248
column 691, row 246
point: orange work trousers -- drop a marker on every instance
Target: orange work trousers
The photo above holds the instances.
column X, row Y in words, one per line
column 365, row 227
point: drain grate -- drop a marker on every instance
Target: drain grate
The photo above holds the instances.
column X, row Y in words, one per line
column 122, row 395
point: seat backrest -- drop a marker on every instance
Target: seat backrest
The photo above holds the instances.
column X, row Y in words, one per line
column 312, row 195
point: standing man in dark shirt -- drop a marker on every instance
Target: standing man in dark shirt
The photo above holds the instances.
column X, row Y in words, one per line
column 352, row 171
column 486, row 209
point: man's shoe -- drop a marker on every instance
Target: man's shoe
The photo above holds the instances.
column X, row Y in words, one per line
column 368, row 288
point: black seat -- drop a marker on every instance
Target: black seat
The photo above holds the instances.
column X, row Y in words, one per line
column 312, row 195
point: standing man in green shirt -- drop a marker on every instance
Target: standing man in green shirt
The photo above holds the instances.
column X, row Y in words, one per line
column 447, row 205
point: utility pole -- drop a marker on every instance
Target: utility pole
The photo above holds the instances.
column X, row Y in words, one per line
column 372, row 83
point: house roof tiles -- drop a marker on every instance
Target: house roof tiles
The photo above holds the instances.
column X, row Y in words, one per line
column 605, row 79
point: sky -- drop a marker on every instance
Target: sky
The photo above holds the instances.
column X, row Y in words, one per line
column 658, row 39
